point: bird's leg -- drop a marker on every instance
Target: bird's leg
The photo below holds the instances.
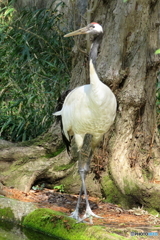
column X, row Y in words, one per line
column 88, row 213
column 83, row 171
column 75, row 214
column 83, row 168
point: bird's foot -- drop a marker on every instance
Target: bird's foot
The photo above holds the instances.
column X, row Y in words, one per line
column 89, row 214
column 75, row 215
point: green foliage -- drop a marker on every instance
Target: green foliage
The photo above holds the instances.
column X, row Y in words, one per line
column 157, row 51
column 6, row 213
column 60, row 188
column 34, row 68
column 39, row 188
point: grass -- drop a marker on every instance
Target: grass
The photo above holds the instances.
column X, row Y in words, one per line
column 34, row 69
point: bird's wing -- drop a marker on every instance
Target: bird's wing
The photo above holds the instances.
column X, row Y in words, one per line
column 75, row 109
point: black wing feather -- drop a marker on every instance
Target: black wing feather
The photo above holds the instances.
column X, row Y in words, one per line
column 59, row 106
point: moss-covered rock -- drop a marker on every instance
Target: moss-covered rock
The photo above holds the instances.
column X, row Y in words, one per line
column 133, row 196
column 54, row 223
column 135, row 192
column 112, row 193
column 14, row 210
column 59, row 225
column 6, row 213
column 153, row 212
column 152, row 200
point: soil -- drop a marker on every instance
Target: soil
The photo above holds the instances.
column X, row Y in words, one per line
column 114, row 217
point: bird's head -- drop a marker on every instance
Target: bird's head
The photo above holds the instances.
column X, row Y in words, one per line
column 93, row 28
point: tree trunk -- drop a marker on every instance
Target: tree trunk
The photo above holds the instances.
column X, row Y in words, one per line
column 127, row 64
column 134, row 161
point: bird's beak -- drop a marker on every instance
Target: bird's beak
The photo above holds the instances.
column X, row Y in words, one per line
column 78, row 32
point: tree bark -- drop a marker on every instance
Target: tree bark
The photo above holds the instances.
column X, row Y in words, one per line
column 23, row 164
column 127, row 64
column 134, row 161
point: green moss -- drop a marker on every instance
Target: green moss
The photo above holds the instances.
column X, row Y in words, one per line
column 7, row 225
column 63, row 167
column 132, row 197
column 152, row 201
column 137, row 196
column 20, row 162
column 6, row 213
column 59, row 150
column 58, row 225
column 147, row 173
column 130, row 187
column 39, row 141
column 54, row 154
column 100, row 233
column 153, row 212
column 70, row 182
column 3, row 237
column 112, row 193
column 133, row 193
column 16, row 165
column 53, row 223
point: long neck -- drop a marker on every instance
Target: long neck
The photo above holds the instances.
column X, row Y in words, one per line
column 97, row 89
column 94, row 49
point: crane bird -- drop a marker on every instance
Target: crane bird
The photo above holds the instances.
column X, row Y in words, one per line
column 88, row 109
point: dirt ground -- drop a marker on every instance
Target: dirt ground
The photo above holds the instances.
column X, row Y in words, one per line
column 114, row 217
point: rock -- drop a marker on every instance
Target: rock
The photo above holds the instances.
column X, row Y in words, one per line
column 11, row 209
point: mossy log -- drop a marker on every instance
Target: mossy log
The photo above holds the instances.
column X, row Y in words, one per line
column 52, row 223
column 26, row 163
column 43, row 159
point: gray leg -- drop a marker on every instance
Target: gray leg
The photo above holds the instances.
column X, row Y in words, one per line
column 75, row 214
column 88, row 212
column 83, row 168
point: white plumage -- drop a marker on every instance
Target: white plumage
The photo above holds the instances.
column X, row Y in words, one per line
column 89, row 109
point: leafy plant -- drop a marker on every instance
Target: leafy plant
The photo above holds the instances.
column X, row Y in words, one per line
column 34, row 68
column 38, row 188
column 157, row 51
column 60, row 188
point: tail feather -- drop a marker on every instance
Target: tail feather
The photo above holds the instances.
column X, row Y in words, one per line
column 58, row 114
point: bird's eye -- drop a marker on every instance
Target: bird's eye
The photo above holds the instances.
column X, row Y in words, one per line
column 92, row 26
